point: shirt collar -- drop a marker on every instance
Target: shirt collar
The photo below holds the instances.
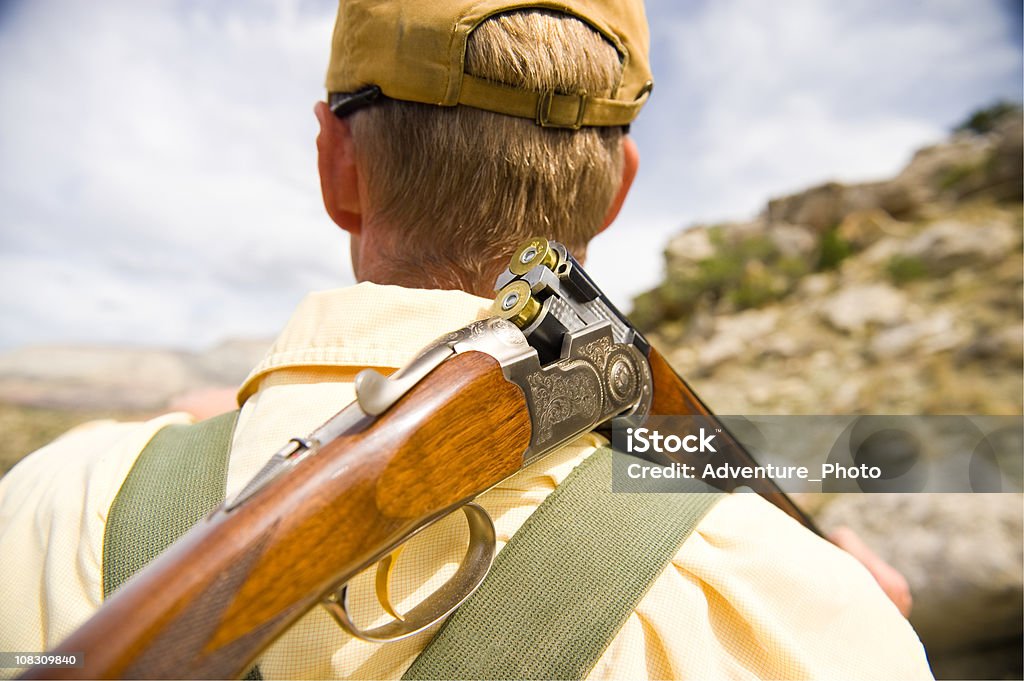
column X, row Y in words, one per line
column 365, row 325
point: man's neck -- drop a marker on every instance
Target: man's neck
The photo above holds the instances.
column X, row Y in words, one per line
column 383, row 260
column 413, row 276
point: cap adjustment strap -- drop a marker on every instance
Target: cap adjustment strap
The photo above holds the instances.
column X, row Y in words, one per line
column 549, row 109
column 547, row 99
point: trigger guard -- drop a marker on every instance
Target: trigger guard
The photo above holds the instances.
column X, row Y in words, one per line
column 438, row 605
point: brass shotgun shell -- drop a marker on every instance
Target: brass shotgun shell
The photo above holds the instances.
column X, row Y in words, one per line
column 516, row 304
column 532, row 252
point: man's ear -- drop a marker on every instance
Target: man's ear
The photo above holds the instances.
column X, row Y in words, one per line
column 339, row 173
column 630, row 163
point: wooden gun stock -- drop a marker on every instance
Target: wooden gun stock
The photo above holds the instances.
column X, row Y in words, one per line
column 210, row 604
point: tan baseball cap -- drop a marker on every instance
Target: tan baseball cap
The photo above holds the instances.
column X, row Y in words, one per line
column 415, row 50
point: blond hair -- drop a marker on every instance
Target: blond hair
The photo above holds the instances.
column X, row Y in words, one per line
column 462, row 187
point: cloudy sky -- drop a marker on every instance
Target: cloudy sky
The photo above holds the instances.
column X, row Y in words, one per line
column 157, row 167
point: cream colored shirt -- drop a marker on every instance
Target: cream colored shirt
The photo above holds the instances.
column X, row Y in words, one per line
column 750, row 594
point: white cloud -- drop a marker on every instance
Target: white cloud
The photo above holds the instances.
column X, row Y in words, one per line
column 157, row 168
column 158, row 156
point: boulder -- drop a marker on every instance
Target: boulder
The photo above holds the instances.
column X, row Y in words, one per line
column 932, row 168
column 862, row 228
column 819, row 208
column 854, row 308
column 1005, row 169
column 816, row 285
column 962, row 555
column 932, row 334
column 748, row 325
column 950, row 244
column 719, row 349
column 691, row 246
column 794, row 241
column 824, row 207
column 734, row 334
column 990, row 345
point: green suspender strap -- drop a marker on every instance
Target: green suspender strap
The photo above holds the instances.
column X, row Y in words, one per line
column 560, row 589
column 564, row 585
column 178, row 478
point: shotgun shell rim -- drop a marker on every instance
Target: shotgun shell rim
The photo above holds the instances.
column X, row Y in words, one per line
column 534, row 251
column 515, row 302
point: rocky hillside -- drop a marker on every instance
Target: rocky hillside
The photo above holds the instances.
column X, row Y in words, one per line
column 899, row 296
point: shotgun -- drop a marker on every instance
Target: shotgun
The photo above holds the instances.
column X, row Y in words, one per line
column 557, row 360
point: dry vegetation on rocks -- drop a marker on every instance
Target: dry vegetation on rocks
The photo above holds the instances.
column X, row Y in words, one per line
column 902, row 296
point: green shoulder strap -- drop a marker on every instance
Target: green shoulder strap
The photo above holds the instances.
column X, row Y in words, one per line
column 178, row 478
column 561, row 588
column 564, row 585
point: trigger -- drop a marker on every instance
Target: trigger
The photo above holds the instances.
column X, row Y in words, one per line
column 384, row 570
